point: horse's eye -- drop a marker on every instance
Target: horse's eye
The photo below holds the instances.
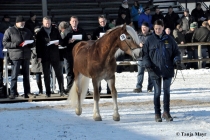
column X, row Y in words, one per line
column 129, row 37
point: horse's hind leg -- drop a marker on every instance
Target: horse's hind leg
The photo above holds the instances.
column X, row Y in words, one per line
column 96, row 96
column 111, row 84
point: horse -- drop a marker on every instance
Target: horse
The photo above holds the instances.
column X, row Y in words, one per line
column 94, row 59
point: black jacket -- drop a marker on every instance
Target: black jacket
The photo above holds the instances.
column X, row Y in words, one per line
column 126, row 11
column 188, row 39
column 171, row 20
column 121, row 21
column 31, row 25
column 4, row 25
column 160, row 54
column 157, row 17
column 198, row 14
column 79, row 31
column 13, row 37
column 97, row 31
column 51, row 52
column 201, row 34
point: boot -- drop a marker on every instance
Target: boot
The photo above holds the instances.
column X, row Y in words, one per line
column 158, row 118
column 48, row 95
column 137, row 90
column 26, row 96
column 12, row 96
column 167, row 116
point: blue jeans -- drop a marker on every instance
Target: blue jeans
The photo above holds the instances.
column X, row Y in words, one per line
column 14, row 75
column 140, row 77
column 157, row 93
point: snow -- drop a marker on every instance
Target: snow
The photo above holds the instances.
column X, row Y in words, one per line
column 56, row 120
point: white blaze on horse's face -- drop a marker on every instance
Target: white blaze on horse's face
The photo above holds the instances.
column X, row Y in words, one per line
column 130, row 43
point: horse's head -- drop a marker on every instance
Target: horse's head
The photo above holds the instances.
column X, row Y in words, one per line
column 129, row 42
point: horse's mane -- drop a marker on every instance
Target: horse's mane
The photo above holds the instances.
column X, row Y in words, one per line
column 129, row 29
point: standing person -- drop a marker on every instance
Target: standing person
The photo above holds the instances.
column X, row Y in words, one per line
column 123, row 19
column 202, row 34
column 1, row 59
column 103, row 27
column 186, row 20
column 198, row 14
column 158, row 15
column 36, row 67
column 124, row 8
column 145, row 17
column 32, row 22
column 5, row 23
column 140, row 77
column 160, row 53
column 171, row 19
column 20, row 55
column 135, row 11
column 73, row 29
column 48, row 54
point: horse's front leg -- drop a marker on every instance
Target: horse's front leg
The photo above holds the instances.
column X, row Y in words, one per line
column 111, row 84
column 96, row 97
column 78, row 109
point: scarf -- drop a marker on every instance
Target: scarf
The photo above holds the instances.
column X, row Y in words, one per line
column 48, row 31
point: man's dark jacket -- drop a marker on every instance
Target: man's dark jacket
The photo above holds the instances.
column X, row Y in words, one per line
column 97, row 31
column 201, row 34
column 159, row 54
column 31, row 25
column 171, row 20
column 13, row 37
column 51, row 52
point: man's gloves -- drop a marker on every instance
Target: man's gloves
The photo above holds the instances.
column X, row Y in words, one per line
column 179, row 65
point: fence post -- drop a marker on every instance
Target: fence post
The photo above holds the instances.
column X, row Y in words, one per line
column 199, row 57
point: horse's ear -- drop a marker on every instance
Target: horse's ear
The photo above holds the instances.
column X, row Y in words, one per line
column 124, row 27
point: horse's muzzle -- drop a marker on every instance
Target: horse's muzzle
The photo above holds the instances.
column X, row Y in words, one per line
column 137, row 53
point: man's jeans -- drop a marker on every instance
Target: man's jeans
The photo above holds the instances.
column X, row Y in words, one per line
column 140, row 77
column 14, row 75
column 192, row 54
column 157, row 93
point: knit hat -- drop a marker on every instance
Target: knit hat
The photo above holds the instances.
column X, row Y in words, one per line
column 32, row 14
column 19, row 19
column 192, row 25
column 145, row 24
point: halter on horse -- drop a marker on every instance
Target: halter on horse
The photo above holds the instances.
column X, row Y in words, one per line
column 95, row 60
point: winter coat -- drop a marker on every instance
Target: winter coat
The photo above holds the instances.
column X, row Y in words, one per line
column 179, row 36
column 188, row 39
column 185, row 23
column 1, row 46
column 121, row 21
column 97, row 31
column 201, row 34
column 13, row 37
column 159, row 54
column 51, row 52
column 145, row 18
column 171, row 20
column 4, row 25
column 157, row 17
column 31, row 25
column 126, row 11
column 198, row 14
column 135, row 13
column 35, row 66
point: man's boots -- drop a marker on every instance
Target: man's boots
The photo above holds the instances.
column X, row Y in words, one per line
column 167, row 116
column 158, row 118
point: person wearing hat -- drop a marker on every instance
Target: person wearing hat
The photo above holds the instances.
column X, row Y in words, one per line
column 171, row 19
column 202, row 34
column 186, row 20
column 192, row 51
column 19, row 53
column 145, row 33
column 145, row 17
column 124, row 8
column 5, row 24
column 158, row 15
column 32, row 22
column 198, row 13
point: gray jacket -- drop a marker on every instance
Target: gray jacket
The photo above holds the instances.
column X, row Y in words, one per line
column 142, row 39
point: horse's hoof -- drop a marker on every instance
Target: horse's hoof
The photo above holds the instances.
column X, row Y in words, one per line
column 78, row 111
column 116, row 118
column 98, row 118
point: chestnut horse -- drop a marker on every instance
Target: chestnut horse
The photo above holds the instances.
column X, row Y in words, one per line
column 95, row 60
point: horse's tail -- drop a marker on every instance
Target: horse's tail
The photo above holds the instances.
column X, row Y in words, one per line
column 83, row 84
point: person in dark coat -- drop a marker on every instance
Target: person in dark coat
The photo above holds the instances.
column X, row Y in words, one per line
column 145, row 33
column 171, row 19
column 160, row 52
column 124, row 8
column 198, row 13
column 123, row 19
column 5, row 23
column 48, row 54
column 19, row 53
column 103, row 27
column 32, row 22
column 202, row 34
column 158, row 15
column 36, row 67
column 74, row 29
column 186, row 20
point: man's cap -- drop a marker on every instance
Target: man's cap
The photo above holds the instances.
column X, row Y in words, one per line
column 193, row 25
column 20, row 19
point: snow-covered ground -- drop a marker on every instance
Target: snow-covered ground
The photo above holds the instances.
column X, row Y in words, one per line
column 56, row 120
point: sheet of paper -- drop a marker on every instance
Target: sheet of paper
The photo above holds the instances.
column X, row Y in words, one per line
column 26, row 42
column 202, row 18
column 61, row 47
column 77, row 37
column 4, row 50
column 101, row 34
column 52, row 42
